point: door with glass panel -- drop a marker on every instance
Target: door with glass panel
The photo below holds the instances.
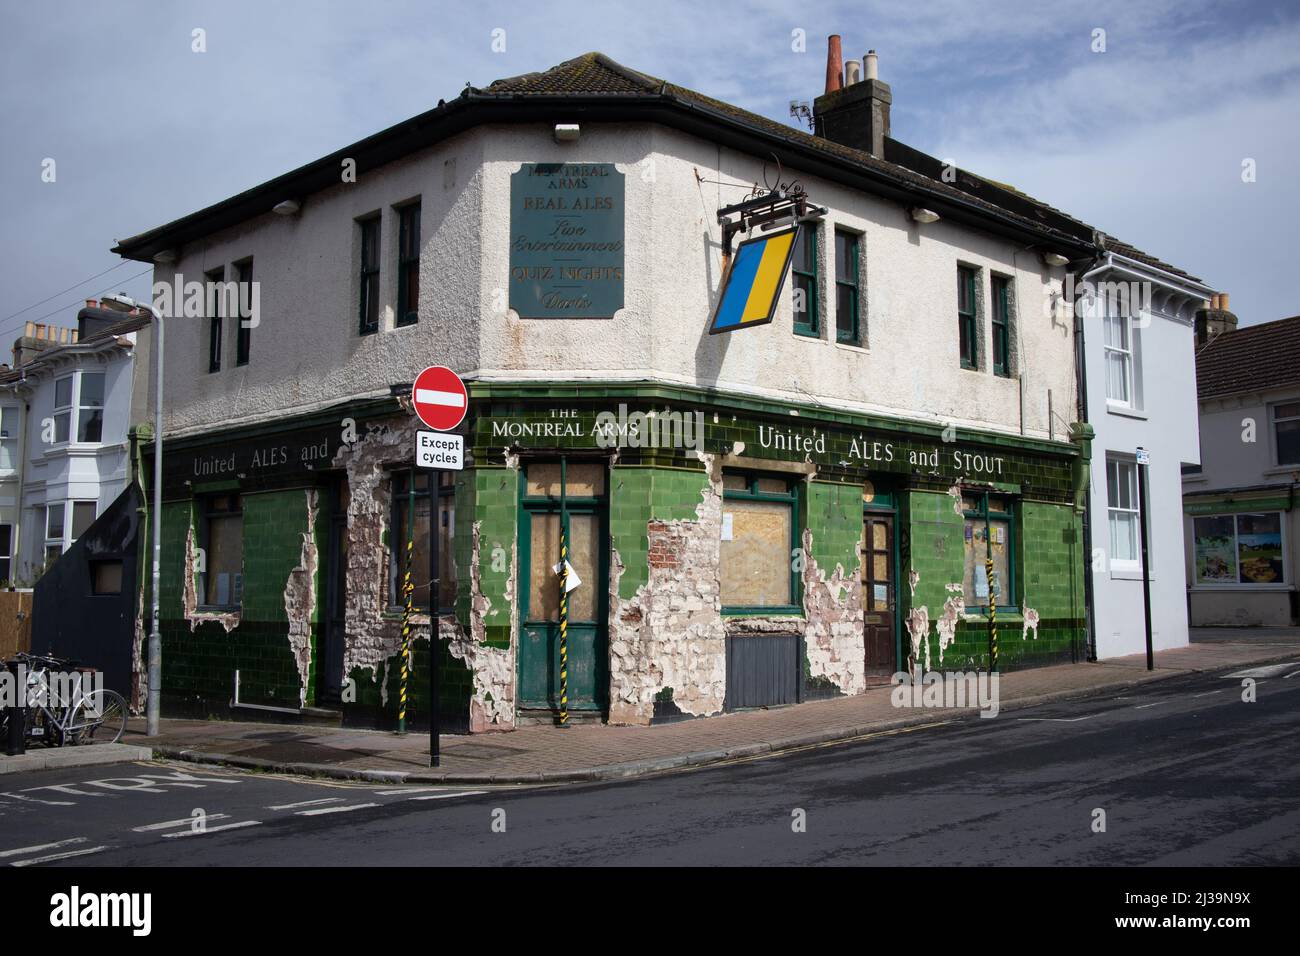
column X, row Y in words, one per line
column 878, row 592
column 563, row 496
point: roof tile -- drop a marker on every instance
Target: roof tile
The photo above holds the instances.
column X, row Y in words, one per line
column 1252, row 359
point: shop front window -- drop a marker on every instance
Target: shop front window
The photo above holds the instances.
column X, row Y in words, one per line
column 1243, row 549
column 759, row 536
column 989, row 532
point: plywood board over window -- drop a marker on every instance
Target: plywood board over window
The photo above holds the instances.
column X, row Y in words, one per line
column 756, row 561
column 758, row 533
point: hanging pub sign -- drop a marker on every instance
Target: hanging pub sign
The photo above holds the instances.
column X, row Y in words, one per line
column 566, row 241
column 752, row 285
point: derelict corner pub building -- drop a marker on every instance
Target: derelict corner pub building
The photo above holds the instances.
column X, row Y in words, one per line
column 731, row 550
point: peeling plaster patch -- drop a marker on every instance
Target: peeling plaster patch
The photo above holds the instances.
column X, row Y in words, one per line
column 955, row 494
column 670, row 632
column 833, row 611
column 953, row 609
column 1031, row 623
column 300, row 598
column 913, row 579
column 371, row 637
column 918, row 627
column 492, row 669
column 140, row 685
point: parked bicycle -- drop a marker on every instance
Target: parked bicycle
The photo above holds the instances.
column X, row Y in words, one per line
column 62, row 712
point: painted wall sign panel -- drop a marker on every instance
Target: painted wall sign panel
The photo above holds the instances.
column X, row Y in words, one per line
column 753, row 284
column 566, row 241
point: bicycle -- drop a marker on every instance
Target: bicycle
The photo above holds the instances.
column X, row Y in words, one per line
column 75, row 719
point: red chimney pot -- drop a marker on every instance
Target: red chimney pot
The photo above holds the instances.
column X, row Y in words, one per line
column 834, row 64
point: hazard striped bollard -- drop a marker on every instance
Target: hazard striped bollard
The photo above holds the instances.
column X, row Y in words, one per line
column 993, row 617
column 408, row 589
column 564, row 629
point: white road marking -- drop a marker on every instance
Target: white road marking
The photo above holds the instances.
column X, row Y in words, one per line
column 306, row 803
column 1290, row 675
column 444, row 796
column 393, row 793
column 349, row 807
column 1061, row 720
column 224, row 826
column 1268, row 670
column 1155, row 704
column 52, row 803
column 429, row 396
column 43, row 846
column 1209, row 692
column 58, row 856
column 184, row 821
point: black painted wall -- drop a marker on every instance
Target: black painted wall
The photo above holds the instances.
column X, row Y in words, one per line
column 96, row 630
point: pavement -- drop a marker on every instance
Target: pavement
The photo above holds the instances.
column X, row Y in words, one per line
column 56, row 758
column 545, row 754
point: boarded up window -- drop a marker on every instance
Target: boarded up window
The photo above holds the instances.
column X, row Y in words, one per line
column 581, row 480
column 756, row 561
column 543, row 583
column 223, row 584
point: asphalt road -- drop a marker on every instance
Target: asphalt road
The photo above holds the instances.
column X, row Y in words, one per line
column 1185, row 772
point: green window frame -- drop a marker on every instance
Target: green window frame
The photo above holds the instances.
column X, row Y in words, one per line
column 368, row 306
column 420, row 553
column 1001, row 321
column 984, row 507
column 408, row 264
column 226, row 508
column 966, row 318
column 757, row 487
column 847, row 253
column 803, row 270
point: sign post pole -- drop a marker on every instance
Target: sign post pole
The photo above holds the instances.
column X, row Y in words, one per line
column 441, row 400
column 1143, row 466
column 435, row 644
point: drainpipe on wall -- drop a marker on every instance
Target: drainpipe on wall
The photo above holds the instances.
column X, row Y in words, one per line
column 1086, row 267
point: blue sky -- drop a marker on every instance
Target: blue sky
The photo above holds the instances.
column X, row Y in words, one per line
column 1145, row 140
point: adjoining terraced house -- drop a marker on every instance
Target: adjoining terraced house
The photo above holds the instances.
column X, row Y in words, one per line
column 555, row 239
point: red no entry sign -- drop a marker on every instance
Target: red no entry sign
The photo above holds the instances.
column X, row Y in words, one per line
column 440, row 398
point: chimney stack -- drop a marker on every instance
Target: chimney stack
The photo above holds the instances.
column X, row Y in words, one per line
column 834, row 64
column 857, row 114
column 1214, row 320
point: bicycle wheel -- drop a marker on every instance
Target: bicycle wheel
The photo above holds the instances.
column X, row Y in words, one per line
column 100, row 718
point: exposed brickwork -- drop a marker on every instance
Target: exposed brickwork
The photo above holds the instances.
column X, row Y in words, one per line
column 669, row 637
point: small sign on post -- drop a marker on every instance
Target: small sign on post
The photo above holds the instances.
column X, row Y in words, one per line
column 440, row 451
